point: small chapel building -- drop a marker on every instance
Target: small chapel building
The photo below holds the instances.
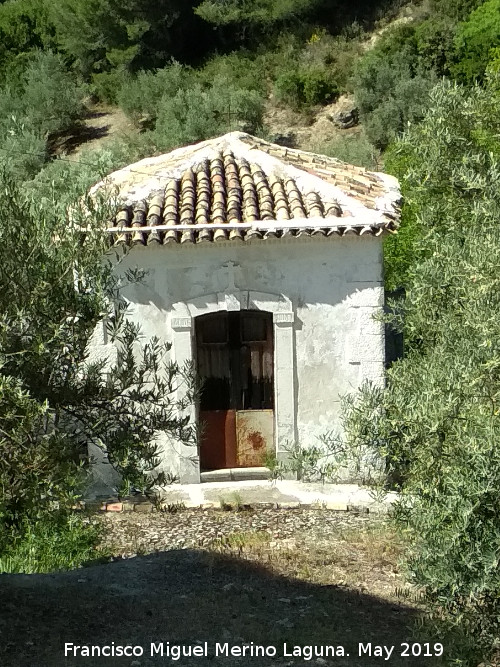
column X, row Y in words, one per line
column 265, row 270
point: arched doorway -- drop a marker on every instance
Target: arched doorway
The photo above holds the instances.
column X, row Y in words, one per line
column 235, row 361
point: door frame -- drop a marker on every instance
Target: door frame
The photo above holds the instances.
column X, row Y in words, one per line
column 285, row 384
column 237, row 425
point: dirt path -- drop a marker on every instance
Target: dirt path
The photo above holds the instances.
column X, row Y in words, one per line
column 100, row 125
column 244, row 587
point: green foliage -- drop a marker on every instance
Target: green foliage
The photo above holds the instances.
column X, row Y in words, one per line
column 400, row 249
column 141, row 95
column 91, row 31
column 31, row 474
column 334, row 459
column 315, row 71
column 50, row 185
column 391, row 88
column 240, row 69
column 102, row 35
column 59, row 541
column 200, row 113
column 24, row 26
column 43, row 96
column 318, row 87
column 475, row 40
column 182, row 105
column 454, row 10
column 43, row 101
column 23, row 152
column 494, row 65
column 55, row 288
column 252, row 12
column 105, row 86
column 305, row 86
column 437, row 422
column 334, row 54
column 265, row 19
column 289, row 89
column 51, row 96
column 435, row 45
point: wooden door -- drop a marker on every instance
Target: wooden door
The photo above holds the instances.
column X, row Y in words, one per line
column 235, row 364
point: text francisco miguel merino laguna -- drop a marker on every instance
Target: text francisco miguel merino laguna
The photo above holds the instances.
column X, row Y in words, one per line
column 204, row 650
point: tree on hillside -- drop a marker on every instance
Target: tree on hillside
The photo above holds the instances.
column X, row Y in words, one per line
column 263, row 12
column 456, row 10
column 474, row 41
column 38, row 101
column 268, row 16
column 101, row 35
column 24, row 26
column 391, row 86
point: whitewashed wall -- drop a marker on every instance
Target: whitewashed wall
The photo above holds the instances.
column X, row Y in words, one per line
column 329, row 287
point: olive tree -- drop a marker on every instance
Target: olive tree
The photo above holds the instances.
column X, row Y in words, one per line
column 56, row 285
column 438, row 420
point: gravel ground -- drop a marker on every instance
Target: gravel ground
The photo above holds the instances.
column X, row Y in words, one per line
column 130, row 533
column 279, row 578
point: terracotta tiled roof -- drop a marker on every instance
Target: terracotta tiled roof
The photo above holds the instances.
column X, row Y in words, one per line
column 240, row 187
column 367, row 186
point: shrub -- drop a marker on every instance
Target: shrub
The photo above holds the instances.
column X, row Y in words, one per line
column 23, row 152
column 140, row 96
column 298, row 87
column 53, row 399
column 238, row 69
column 51, row 97
column 405, row 104
column 41, row 101
column 50, row 470
column 50, row 184
column 318, row 87
column 454, row 10
column 106, row 86
column 336, row 54
column 288, row 88
column 42, row 95
column 435, row 45
column 199, row 113
column 400, row 250
column 391, row 88
column 494, row 65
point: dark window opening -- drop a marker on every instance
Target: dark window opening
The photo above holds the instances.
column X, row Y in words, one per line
column 235, row 360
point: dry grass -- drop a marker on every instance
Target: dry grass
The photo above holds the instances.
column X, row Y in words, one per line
column 363, row 558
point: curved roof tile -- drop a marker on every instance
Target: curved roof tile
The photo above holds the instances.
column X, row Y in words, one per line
column 238, row 187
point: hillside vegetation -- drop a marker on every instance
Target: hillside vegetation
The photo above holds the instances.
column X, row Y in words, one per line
column 424, row 78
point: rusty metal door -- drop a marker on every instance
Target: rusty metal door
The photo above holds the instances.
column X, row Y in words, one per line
column 235, row 363
column 254, row 437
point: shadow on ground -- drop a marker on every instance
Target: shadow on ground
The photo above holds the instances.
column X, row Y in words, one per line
column 92, row 127
column 184, row 597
